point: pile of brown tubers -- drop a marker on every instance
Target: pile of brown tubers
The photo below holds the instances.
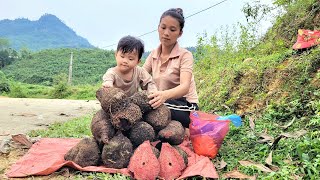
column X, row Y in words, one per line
column 121, row 126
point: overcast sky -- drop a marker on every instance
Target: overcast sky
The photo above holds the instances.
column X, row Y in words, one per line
column 104, row 22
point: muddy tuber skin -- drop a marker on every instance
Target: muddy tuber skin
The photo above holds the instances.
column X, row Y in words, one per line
column 158, row 118
column 117, row 153
column 140, row 132
column 101, row 127
column 85, row 153
column 126, row 116
column 155, row 151
column 173, row 133
column 110, row 96
column 141, row 99
column 183, row 154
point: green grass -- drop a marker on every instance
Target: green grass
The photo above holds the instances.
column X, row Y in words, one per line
column 283, row 85
column 243, row 144
column 100, row 176
column 76, row 128
column 61, row 91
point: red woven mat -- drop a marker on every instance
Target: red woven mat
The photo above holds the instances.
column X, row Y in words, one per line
column 47, row 156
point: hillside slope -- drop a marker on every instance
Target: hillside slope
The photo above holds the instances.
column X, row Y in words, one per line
column 41, row 67
column 275, row 89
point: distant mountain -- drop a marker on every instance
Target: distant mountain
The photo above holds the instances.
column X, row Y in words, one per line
column 45, row 33
column 191, row 49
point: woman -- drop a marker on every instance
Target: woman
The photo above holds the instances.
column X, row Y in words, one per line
column 171, row 68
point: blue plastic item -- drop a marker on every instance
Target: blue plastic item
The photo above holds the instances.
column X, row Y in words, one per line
column 235, row 119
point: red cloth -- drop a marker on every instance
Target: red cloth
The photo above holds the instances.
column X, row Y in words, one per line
column 306, row 39
column 198, row 165
column 47, row 155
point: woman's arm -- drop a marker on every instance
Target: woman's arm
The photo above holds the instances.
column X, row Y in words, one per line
column 159, row 97
column 186, row 68
column 147, row 64
column 146, row 81
column 182, row 89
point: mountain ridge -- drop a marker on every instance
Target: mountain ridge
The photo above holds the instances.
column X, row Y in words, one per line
column 45, row 33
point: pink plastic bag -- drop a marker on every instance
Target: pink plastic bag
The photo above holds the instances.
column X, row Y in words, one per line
column 207, row 133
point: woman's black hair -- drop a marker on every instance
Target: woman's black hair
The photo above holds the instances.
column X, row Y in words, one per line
column 176, row 13
column 128, row 44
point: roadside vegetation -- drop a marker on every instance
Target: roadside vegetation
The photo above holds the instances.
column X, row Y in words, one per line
column 275, row 89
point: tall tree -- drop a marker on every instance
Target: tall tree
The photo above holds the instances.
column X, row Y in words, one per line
column 7, row 55
column 4, row 43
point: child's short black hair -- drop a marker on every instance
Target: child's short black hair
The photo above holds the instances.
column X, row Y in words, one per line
column 128, row 44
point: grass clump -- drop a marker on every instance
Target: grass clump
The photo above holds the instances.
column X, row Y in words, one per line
column 76, row 128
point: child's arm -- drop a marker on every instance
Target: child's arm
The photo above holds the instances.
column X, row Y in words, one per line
column 108, row 79
column 107, row 84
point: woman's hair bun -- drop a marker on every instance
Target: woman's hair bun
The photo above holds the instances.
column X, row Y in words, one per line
column 179, row 11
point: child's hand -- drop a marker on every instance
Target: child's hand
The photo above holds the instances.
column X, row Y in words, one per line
column 157, row 98
column 107, row 85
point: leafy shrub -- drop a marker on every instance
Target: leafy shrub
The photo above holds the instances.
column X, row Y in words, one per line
column 4, row 83
column 17, row 90
column 84, row 91
column 61, row 88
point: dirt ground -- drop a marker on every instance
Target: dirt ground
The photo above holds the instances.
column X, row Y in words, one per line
column 21, row 115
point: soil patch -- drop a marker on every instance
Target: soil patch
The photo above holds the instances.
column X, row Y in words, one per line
column 21, row 115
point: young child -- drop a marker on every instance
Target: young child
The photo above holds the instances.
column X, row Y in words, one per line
column 127, row 75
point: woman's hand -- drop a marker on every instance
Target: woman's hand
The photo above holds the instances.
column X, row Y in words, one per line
column 157, row 99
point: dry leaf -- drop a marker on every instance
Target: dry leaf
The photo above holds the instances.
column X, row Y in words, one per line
column 259, row 166
column 269, row 163
column 294, row 134
column 296, row 177
column 269, row 159
column 288, row 135
column 222, row 165
column 22, row 139
column 237, row 174
column 266, row 137
column 287, row 161
column 251, row 122
column 289, row 124
column 274, row 167
column 265, row 131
